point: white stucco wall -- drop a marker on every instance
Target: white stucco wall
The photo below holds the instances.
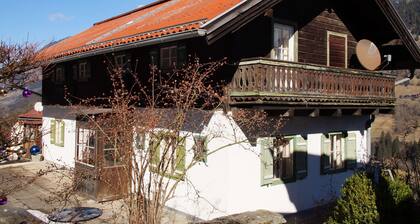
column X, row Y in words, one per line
column 53, row 153
column 230, row 181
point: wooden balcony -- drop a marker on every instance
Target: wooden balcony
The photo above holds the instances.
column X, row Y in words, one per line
column 268, row 82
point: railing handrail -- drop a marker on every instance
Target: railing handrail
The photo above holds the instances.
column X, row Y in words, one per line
column 267, row 77
column 315, row 67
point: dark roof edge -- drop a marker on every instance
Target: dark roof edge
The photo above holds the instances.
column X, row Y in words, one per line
column 131, row 11
column 399, row 26
column 238, row 16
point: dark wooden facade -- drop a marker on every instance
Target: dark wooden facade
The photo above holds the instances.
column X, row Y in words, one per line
column 251, row 41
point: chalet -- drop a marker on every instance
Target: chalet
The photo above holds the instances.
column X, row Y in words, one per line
column 292, row 57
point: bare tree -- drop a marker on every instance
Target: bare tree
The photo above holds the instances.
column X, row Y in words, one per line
column 16, row 63
column 149, row 141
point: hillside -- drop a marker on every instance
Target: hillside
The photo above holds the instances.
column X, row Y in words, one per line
column 407, row 112
column 407, row 107
column 409, row 11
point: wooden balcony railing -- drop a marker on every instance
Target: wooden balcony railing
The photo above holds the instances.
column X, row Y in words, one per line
column 277, row 82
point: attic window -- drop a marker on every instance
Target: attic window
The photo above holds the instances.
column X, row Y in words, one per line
column 284, row 42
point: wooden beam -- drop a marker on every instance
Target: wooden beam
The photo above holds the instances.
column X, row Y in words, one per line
column 314, row 113
column 289, row 113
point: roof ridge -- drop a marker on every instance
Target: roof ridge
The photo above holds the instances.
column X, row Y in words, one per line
column 132, row 11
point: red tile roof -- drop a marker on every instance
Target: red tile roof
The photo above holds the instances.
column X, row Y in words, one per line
column 155, row 20
column 32, row 114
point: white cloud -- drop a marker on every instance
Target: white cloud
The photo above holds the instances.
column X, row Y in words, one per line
column 139, row 6
column 58, row 17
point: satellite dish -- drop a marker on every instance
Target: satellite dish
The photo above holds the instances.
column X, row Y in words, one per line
column 368, row 54
column 38, row 107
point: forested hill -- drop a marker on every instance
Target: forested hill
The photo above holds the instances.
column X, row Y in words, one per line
column 410, row 12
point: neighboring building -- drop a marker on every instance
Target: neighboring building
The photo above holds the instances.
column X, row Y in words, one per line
column 27, row 131
column 292, row 57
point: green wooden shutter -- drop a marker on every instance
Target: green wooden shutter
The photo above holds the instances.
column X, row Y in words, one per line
column 325, row 156
column 62, row 133
column 351, row 155
column 301, row 157
column 267, row 160
column 154, row 150
column 180, row 155
column 52, row 132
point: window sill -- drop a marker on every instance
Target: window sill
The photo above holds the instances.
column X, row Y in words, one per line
column 336, row 171
column 278, row 181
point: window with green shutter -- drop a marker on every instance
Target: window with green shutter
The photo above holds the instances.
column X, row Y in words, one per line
column 351, row 153
column 266, row 156
column 326, row 153
column 338, row 152
column 200, row 148
column 180, row 155
column 62, row 134
column 283, row 159
column 301, row 157
column 154, row 150
column 52, row 132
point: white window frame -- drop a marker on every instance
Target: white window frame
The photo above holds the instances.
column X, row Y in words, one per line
column 331, row 33
column 172, row 60
column 292, row 43
column 85, row 144
column 334, row 153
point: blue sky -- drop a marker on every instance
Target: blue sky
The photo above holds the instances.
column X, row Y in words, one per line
column 42, row 21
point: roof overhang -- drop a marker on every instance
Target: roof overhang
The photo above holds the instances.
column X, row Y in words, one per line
column 141, row 43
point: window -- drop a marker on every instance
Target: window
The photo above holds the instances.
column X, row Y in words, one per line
column 336, row 49
column 200, row 148
column 111, row 155
column 167, row 154
column 283, row 159
column 122, row 61
column 57, row 133
column 168, row 57
column 338, row 152
column 284, row 43
column 86, row 146
column 84, row 71
column 59, row 75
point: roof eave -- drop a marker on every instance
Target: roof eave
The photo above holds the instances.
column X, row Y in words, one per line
column 400, row 28
column 137, row 44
